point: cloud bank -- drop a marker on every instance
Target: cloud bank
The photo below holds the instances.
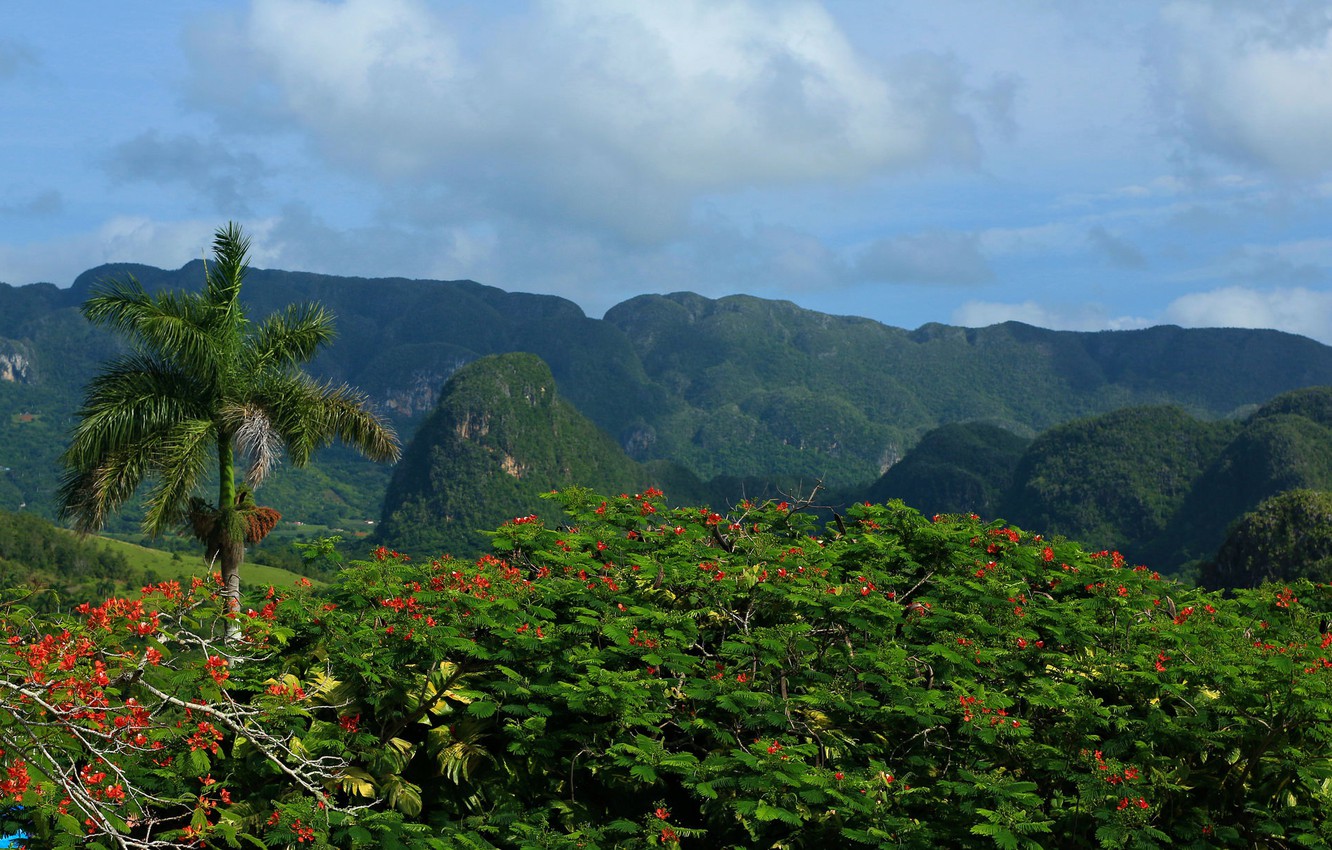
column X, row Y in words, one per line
column 616, row 116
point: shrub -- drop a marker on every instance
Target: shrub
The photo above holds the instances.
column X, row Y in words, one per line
column 677, row 677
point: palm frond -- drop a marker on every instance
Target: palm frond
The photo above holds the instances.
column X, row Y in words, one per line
column 172, row 326
column 91, row 494
column 135, row 398
column 257, row 439
column 223, row 278
column 290, row 337
column 309, row 415
column 349, row 419
column 181, row 460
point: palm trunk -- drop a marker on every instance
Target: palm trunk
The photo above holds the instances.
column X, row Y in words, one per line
column 230, row 555
column 230, row 552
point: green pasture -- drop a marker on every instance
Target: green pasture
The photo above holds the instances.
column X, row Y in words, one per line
column 167, row 565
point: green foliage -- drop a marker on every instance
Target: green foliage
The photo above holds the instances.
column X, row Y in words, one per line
column 644, row 675
column 641, row 674
column 1287, row 537
column 128, row 725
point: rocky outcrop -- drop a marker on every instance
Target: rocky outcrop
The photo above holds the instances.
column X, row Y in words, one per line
column 15, row 364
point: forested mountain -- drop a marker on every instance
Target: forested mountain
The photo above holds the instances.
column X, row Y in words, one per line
column 1160, row 485
column 499, row 438
column 737, row 387
column 958, row 468
column 1115, row 480
column 1285, row 445
column 1285, row 537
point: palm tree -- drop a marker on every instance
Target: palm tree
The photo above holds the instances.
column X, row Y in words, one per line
column 203, row 383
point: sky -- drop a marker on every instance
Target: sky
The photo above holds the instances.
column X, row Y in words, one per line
column 1073, row 164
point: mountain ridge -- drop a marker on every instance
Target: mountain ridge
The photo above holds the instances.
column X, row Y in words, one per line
column 738, row 386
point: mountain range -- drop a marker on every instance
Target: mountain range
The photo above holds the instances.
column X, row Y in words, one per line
column 711, row 392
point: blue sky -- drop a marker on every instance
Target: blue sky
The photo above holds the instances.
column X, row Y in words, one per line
column 1071, row 164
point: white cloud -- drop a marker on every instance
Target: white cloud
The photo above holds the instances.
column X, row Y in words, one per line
column 611, row 114
column 41, row 203
column 1297, row 310
column 1250, row 81
column 229, row 178
column 1299, row 262
column 1036, row 240
column 1118, row 250
column 1294, row 309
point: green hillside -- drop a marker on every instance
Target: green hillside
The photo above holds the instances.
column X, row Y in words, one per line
column 959, row 468
column 1287, row 537
column 1114, row 481
column 499, row 438
column 62, row 567
column 37, row 555
column 1285, row 445
column 1157, row 483
column 879, row 389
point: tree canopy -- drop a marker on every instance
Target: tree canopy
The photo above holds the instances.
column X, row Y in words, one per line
column 638, row 675
column 200, row 385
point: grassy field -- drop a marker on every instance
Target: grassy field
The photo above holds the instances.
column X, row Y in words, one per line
column 170, row 566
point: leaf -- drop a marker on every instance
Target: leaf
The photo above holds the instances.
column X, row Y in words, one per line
column 482, row 709
column 403, row 796
column 356, row 781
column 765, row 812
column 644, row 772
column 199, row 762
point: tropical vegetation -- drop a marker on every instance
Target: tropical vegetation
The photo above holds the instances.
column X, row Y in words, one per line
column 640, row 675
column 201, row 386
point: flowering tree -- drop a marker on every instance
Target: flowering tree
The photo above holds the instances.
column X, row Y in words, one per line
column 127, row 724
column 643, row 675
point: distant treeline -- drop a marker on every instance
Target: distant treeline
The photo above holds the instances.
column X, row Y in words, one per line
column 37, row 554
